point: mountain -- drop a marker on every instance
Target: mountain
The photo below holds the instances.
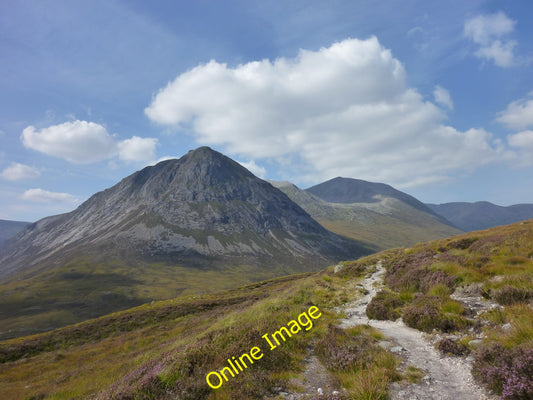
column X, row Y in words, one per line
column 202, row 208
column 184, row 226
column 349, row 191
column 482, row 214
column 8, row 229
column 374, row 213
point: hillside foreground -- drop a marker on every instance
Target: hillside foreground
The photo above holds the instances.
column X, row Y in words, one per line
column 469, row 297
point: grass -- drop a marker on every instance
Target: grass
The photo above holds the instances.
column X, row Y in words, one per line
column 384, row 306
column 357, row 362
column 84, row 289
column 384, row 232
column 501, row 261
column 164, row 349
column 169, row 346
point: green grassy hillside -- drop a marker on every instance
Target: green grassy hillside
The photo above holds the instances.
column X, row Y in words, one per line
column 164, row 350
column 169, row 347
column 383, row 224
column 87, row 288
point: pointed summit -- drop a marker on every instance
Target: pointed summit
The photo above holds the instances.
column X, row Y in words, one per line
column 202, row 209
column 189, row 225
column 201, row 174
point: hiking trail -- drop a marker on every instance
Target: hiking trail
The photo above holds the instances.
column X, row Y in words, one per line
column 446, row 378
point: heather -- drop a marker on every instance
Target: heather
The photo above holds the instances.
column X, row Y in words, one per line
column 497, row 264
column 164, row 350
column 508, row 372
column 448, row 346
column 356, row 360
column 384, row 306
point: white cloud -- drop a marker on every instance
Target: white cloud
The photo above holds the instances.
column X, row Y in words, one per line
column 44, row 196
column 500, row 52
column 442, row 97
column 83, row 142
column 484, row 29
column 137, row 149
column 255, row 169
column 523, row 141
column 518, row 115
column 79, row 142
column 17, row 172
column 161, row 159
column 489, row 32
column 343, row 110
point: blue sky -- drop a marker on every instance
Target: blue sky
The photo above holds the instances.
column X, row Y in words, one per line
column 434, row 98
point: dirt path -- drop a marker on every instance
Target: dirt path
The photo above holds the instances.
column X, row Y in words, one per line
column 446, row 377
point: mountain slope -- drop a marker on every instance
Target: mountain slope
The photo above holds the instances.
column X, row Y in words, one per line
column 8, row 229
column 203, row 204
column 383, row 217
column 348, row 191
column 482, row 214
column 165, row 349
column 196, row 224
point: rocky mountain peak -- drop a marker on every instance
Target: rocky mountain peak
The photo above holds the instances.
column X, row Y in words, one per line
column 202, row 205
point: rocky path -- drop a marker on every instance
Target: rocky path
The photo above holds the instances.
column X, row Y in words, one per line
column 445, row 377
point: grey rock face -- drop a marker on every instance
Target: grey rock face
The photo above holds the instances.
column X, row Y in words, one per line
column 200, row 207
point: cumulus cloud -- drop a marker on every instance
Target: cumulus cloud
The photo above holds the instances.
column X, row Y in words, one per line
column 17, row 172
column 490, row 33
column 523, row 142
column 44, row 196
column 522, row 139
column 79, row 142
column 442, row 97
column 137, row 149
column 83, row 142
column 255, row 169
column 161, row 159
column 342, row 110
column 519, row 114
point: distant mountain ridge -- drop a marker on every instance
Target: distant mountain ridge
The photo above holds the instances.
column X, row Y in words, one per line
column 8, row 229
column 482, row 214
column 349, row 190
column 374, row 213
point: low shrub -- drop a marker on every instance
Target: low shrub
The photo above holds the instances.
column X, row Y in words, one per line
column 384, row 306
column 424, row 317
column 426, row 314
column 508, row 372
column 357, row 362
column 462, row 244
column 339, row 352
column 508, row 295
column 413, row 273
column 451, row 347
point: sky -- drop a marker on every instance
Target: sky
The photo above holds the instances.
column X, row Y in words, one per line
column 432, row 97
